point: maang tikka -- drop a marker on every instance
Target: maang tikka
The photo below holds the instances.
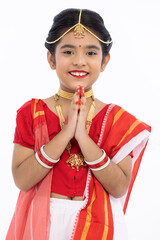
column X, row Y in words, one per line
column 79, row 32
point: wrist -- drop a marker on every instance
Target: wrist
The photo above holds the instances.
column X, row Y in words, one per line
column 82, row 137
column 66, row 133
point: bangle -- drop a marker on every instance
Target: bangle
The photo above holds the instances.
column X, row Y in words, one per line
column 45, row 160
column 100, row 163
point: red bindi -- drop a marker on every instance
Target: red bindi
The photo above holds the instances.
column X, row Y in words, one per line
column 79, row 46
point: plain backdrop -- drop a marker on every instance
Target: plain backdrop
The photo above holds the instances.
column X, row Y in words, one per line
column 131, row 80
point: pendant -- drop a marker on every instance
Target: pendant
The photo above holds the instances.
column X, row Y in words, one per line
column 76, row 160
column 79, row 31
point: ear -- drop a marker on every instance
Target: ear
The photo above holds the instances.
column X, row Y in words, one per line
column 105, row 62
column 51, row 60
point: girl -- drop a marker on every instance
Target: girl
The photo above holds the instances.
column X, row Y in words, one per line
column 75, row 158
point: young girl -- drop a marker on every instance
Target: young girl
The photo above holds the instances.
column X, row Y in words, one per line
column 75, row 158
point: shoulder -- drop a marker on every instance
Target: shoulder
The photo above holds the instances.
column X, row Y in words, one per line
column 99, row 105
column 110, row 108
column 50, row 103
column 25, row 109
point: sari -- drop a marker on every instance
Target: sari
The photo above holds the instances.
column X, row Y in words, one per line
column 120, row 134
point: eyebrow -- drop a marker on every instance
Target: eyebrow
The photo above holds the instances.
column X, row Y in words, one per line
column 93, row 46
column 67, row 46
column 88, row 46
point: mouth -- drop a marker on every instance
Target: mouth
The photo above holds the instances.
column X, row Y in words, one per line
column 78, row 73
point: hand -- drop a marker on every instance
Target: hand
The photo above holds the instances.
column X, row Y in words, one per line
column 71, row 121
column 81, row 129
column 75, row 124
column 82, row 115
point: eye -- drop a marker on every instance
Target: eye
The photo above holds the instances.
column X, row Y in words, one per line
column 68, row 52
column 91, row 53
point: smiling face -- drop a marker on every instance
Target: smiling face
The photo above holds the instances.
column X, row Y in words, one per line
column 78, row 61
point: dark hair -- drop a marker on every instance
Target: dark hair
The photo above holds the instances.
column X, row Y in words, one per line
column 69, row 17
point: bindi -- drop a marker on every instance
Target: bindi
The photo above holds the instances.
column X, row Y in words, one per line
column 79, row 45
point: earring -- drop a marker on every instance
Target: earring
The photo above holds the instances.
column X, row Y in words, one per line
column 52, row 64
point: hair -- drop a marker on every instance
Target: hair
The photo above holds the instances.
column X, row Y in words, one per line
column 68, row 18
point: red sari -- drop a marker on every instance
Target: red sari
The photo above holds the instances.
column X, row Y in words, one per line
column 120, row 134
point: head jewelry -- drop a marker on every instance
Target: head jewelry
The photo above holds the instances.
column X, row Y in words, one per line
column 79, row 32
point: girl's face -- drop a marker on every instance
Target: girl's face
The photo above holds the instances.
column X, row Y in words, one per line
column 78, row 61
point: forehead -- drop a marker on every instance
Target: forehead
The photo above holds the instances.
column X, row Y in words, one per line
column 70, row 38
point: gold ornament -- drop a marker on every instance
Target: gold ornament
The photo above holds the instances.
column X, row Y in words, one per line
column 76, row 161
column 79, row 32
column 79, row 29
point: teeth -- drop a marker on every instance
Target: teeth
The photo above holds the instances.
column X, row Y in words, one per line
column 78, row 74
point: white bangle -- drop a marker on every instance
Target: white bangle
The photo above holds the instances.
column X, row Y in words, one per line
column 45, row 160
column 100, row 163
column 102, row 167
column 47, row 157
column 98, row 160
column 42, row 163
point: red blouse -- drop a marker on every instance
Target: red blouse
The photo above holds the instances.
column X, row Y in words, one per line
column 65, row 180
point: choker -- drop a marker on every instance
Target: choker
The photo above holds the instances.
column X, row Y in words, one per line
column 69, row 96
column 74, row 160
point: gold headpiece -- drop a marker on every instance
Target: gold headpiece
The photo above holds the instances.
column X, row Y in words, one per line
column 79, row 32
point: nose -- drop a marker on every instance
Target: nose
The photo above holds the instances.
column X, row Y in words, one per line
column 79, row 59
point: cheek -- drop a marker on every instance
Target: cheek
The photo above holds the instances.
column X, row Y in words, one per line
column 97, row 66
column 61, row 64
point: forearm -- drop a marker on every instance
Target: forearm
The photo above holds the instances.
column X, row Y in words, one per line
column 112, row 178
column 29, row 172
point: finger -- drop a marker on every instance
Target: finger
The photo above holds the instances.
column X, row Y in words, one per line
column 74, row 107
column 83, row 108
column 83, row 100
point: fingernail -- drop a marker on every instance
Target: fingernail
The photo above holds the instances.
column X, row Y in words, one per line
column 79, row 102
column 82, row 92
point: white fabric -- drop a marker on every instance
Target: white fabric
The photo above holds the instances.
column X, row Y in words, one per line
column 63, row 215
column 138, row 141
column 120, row 228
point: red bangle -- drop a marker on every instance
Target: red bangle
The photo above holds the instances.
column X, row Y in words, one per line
column 105, row 160
column 44, row 160
column 100, row 163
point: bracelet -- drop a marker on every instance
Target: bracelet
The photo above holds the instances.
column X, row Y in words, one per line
column 100, row 163
column 45, row 160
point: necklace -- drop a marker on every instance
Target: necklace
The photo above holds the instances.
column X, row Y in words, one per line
column 69, row 95
column 74, row 160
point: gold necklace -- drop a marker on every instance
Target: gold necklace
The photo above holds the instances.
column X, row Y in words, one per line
column 74, row 160
column 69, row 95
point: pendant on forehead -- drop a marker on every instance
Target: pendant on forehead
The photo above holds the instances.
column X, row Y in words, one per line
column 79, row 31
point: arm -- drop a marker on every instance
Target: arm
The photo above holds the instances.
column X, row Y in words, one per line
column 26, row 170
column 115, row 178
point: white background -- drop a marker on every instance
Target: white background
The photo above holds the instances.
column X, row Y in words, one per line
column 131, row 80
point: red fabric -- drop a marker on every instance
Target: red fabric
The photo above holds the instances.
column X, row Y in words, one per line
column 65, row 180
column 95, row 219
column 31, row 216
column 124, row 128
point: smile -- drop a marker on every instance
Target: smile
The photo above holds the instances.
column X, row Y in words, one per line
column 79, row 74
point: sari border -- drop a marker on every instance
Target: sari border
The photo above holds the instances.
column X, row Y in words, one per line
column 104, row 123
column 139, row 140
